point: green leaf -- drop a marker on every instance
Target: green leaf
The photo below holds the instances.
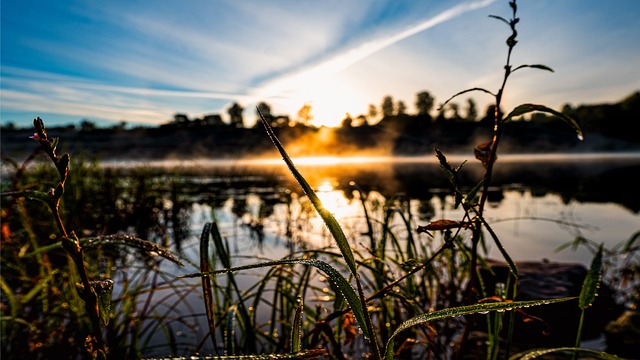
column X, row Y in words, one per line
column 345, row 288
column 331, row 223
column 296, row 327
column 527, row 108
column 464, row 310
column 591, row 354
column 473, row 192
column 452, row 174
column 591, row 281
column 500, row 18
column 464, row 92
column 104, row 290
column 535, row 66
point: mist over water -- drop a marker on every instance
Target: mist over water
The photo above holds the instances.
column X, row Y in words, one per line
column 537, row 201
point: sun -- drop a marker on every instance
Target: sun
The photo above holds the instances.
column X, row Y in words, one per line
column 330, row 100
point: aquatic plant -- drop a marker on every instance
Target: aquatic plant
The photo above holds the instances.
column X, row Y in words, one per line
column 396, row 296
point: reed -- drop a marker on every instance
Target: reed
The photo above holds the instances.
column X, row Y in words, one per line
column 396, row 289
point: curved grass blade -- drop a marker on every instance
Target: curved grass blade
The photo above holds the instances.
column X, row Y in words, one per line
column 591, row 354
column 229, row 333
column 345, row 288
column 334, row 228
column 302, row 355
column 207, row 289
column 296, row 327
column 464, row 310
column 527, row 108
column 245, row 321
column 330, row 221
column 147, row 247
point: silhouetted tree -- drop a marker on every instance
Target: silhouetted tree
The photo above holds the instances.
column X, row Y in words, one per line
column 472, row 111
column 454, row 109
column 489, row 116
column 280, row 120
column 212, row 120
column 87, row 126
column 373, row 112
column 304, row 115
column 235, row 115
column 387, row 106
column 402, row 108
column 424, row 103
column 119, row 126
column 361, row 120
column 264, row 109
column 180, row 119
column 347, row 122
column 9, row 126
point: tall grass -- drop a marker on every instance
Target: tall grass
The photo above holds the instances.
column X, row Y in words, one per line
column 397, row 290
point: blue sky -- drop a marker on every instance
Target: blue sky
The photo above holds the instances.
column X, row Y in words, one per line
column 144, row 61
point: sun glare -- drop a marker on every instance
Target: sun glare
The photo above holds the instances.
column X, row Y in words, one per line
column 330, row 101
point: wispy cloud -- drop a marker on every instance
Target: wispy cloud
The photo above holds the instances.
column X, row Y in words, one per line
column 47, row 92
column 320, row 71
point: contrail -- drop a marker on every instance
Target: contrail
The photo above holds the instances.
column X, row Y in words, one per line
column 352, row 56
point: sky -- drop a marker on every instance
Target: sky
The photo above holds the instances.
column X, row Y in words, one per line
column 144, row 61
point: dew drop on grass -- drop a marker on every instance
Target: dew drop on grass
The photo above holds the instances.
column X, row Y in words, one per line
column 483, row 312
column 580, row 137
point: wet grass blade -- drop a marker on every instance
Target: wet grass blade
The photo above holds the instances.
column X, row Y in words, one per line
column 330, row 221
column 592, row 281
column 591, row 354
column 223, row 255
column 302, row 355
column 296, row 328
column 147, row 247
column 207, row 289
column 464, row 310
column 340, row 282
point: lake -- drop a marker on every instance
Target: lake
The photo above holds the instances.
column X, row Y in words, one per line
column 537, row 201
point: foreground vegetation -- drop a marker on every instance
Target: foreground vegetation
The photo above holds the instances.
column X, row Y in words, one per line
column 74, row 284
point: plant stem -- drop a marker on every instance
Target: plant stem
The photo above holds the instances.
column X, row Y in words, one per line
column 579, row 334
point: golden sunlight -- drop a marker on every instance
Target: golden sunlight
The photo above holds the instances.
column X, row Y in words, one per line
column 330, row 100
column 334, row 200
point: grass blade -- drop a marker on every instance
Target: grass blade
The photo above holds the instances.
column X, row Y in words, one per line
column 340, row 282
column 330, row 221
column 464, row 310
column 296, row 328
column 223, row 255
column 591, row 281
column 591, row 354
column 207, row 289
column 302, row 355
